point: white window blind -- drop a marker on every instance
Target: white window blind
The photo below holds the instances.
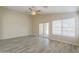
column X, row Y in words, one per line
column 65, row 27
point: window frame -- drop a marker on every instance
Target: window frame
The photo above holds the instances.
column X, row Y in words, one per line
column 62, row 28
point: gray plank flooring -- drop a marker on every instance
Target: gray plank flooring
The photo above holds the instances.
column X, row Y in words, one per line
column 32, row 44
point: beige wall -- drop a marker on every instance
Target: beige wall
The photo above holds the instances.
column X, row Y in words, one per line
column 49, row 18
column 15, row 24
column 0, row 24
column 78, row 26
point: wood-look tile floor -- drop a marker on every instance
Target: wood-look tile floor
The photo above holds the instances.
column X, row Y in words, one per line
column 32, row 44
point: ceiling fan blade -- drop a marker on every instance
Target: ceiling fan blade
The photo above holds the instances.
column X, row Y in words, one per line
column 30, row 9
column 38, row 11
column 45, row 6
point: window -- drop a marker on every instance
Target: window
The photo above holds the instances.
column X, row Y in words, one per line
column 40, row 29
column 69, row 27
column 65, row 27
column 56, row 26
column 44, row 29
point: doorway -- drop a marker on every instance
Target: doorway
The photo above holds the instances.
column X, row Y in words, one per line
column 44, row 29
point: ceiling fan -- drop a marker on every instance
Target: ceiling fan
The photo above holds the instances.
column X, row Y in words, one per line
column 34, row 10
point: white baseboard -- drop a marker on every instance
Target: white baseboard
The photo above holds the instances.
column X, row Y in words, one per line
column 15, row 37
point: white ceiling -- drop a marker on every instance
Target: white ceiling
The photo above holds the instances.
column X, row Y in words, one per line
column 48, row 10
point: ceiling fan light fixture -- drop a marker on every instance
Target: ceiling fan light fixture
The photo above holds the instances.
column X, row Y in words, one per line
column 33, row 13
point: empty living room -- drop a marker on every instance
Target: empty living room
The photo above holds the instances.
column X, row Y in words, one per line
column 39, row 29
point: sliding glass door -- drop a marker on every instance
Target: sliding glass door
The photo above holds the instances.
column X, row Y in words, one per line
column 44, row 29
